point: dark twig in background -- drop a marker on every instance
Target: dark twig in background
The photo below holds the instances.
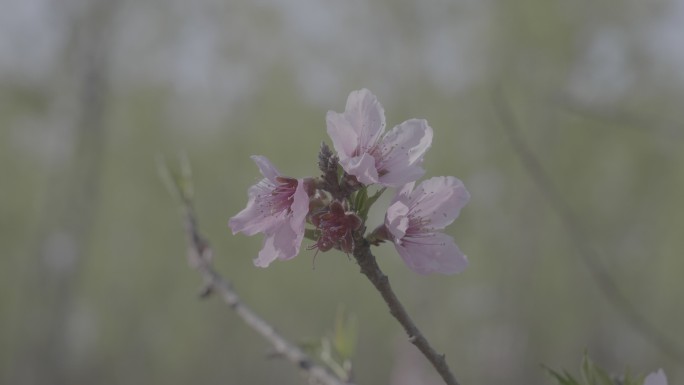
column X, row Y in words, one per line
column 199, row 257
column 653, row 124
column 370, row 268
column 60, row 249
column 589, row 256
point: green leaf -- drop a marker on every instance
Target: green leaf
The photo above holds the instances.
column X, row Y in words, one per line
column 368, row 202
column 593, row 374
column 345, row 335
column 340, row 174
column 563, row 379
column 359, row 199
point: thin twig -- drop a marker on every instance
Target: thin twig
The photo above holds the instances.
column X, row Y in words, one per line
column 199, row 257
column 589, row 256
column 72, row 203
column 370, row 268
column 643, row 122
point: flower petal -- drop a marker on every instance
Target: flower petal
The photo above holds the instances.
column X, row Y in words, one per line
column 432, row 253
column 362, row 167
column 396, row 219
column 359, row 127
column 251, row 219
column 656, row 378
column 300, row 208
column 404, row 193
column 439, row 200
column 266, row 168
column 281, row 244
column 403, row 150
column 366, row 116
column 343, row 135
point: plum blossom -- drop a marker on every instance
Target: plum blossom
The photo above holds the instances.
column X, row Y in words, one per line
column 414, row 218
column 364, row 149
column 656, row 378
column 277, row 207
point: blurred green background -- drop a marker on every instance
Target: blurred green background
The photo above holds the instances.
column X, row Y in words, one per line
column 94, row 286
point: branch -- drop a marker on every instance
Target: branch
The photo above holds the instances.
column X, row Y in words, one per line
column 589, row 256
column 199, row 257
column 370, row 268
column 642, row 122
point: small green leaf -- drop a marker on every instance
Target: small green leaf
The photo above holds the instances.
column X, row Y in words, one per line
column 563, row 379
column 345, row 335
column 601, row 376
column 368, row 202
column 340, row 174
column 359, row 199
column 585, row 370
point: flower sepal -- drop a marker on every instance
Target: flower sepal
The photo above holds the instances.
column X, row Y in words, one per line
column 335, row 227
column 379, row 235
column 362, row 202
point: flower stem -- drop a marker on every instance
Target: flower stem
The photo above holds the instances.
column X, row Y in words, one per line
column 369, row 268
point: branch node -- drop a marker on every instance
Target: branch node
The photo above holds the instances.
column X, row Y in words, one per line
column 206, row 291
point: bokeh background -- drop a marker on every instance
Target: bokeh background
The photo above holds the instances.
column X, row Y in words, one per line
column 94, row 285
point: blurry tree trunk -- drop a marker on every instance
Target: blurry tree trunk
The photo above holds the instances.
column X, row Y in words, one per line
column 79, row 92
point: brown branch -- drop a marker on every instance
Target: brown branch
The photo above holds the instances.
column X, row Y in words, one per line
column 642, row 122
column 54, row 267
column 199, row 257
column 370, row 268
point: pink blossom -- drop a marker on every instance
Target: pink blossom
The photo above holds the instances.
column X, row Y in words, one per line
column 656, row 378
column 367, row 152
column 277, row 207
column 412, row 221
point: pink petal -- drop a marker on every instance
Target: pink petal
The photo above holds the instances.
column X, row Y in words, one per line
column 366, row 116
column 656, row 378
column 359, row 127
column 285, row 240
column 396, row 219
column 404, row 193
column 251, row 220
column 281, row 244
column 343, row 135
column 300, row 208
column 268, row 252
column 403, row 150
column 362, row 167
column 439, row 200
column 436, row 253
column 266, row 167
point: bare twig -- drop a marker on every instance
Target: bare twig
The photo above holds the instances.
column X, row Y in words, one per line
column 589, row 256
column 199, row 257
column 370, row 268
column 80, row 87
column 643, row 122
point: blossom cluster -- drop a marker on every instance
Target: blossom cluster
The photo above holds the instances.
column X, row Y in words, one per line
column 332, row 209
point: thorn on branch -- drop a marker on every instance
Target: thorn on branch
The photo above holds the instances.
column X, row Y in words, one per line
column 206, row 291
column 304, row 364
